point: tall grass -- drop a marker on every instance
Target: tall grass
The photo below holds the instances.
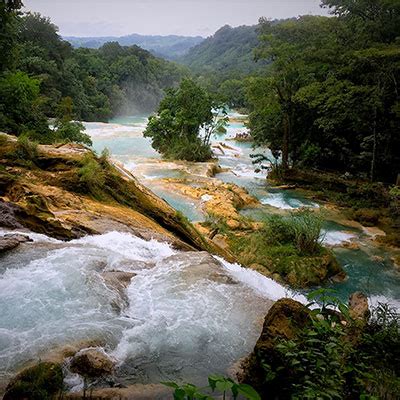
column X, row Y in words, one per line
column 301, row 228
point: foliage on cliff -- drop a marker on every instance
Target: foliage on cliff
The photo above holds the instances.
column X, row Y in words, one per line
column 326, row 354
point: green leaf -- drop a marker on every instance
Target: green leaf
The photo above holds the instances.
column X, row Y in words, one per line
column 248, row 392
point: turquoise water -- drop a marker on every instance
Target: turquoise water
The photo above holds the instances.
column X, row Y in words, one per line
column 126, row 146
column 368, row 269
column 374, row 276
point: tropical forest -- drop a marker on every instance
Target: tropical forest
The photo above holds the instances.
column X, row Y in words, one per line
column 200, row 200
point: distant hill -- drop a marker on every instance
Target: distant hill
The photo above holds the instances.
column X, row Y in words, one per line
column 170, row 47
column 228, row 50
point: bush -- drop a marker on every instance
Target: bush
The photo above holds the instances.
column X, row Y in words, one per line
column 335, row 357
column 71, row 131
column 91, row 175
column 26, row 149
column 301, row 229
column 183, row 148
column 217, row 383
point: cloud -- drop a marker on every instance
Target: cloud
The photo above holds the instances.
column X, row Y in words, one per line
column 188, row 17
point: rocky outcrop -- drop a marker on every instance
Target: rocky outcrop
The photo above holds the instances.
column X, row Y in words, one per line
column 11, row 241
column 220, row 200
column 47, row 195
column 92, row 363
column 283, row 321
column 41, row 381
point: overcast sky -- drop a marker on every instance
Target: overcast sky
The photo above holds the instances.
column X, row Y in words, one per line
column 163, row 17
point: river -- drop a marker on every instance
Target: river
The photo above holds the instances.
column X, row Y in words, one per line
column 369, row 268
column 183, row 315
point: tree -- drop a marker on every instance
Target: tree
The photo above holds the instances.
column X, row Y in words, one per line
column 176, row 128
column 67, row 130
column 9, row 10
column 330, row 98
column 20, row 104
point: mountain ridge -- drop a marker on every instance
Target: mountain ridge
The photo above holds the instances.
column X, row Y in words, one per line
column 170, row 47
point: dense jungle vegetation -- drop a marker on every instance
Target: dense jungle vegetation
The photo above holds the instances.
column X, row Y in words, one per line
column 322, row 92
column 39, row 70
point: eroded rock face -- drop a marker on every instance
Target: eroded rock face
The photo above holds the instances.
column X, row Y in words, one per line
column 11, row 241
column 50, row 199
column 92, row 363
column 8, row 219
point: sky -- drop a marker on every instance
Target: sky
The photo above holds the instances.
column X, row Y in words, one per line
column 163, row 17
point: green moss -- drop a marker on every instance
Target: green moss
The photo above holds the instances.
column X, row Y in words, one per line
column 43, row 381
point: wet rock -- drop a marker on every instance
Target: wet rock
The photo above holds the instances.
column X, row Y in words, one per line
column 92, row 363
column 8, row 218
column 42, row 381
column 11, row 241
column 200, row 266
column 118, row 281
column 340, row 277
column 350, row 245
column 358, row 306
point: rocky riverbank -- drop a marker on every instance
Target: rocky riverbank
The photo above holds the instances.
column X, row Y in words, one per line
column 45, row 189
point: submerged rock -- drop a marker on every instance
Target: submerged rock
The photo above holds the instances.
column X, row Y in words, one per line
column 92, row 363
column 42, row 381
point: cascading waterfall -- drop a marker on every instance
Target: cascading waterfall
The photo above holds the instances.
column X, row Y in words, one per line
column 185, row 314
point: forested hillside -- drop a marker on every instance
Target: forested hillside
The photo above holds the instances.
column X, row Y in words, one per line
column 170, row 47
column 228, row 51
column 39, row 71
column 330, row 99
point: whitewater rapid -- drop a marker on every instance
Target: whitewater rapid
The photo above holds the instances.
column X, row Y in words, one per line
column 188, row 314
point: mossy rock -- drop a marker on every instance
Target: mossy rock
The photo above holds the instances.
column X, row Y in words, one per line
column 43, row 381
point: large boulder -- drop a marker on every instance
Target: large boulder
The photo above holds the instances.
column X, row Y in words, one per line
column 92, row 363
column 43, row 381
column 283, row 321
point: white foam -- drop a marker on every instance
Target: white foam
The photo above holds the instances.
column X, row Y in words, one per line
column 266, row 287
column 278, row 200
column 335, row 238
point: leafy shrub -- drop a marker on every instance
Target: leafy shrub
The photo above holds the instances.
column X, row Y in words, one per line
column 190, row 149
column 26, row 149
column 71, row 131
column 335, row 357
column 217, row 383
column 302, row 229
